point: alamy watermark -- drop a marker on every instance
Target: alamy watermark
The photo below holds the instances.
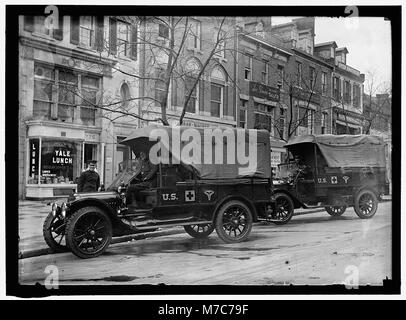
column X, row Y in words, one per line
column 205, row 146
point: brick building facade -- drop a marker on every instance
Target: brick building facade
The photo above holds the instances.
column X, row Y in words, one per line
column 87, row 82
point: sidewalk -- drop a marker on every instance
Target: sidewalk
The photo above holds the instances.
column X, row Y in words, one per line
column 31, row 216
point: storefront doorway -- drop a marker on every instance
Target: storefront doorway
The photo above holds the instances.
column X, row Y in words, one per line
column 90, row 153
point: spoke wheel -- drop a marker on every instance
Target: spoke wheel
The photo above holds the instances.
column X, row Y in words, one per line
column 284, row 208
column 335, row 211
column 53, row 231
column 366, row 204
column 199, row 231
column 88, row 232
column 233, row 222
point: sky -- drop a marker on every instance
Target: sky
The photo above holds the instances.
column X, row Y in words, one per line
column 367, row 39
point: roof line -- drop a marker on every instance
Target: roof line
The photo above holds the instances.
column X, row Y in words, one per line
column 268, row 44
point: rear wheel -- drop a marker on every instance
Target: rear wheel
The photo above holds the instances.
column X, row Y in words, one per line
column 53, row 231
column 199, row 231
column 284, row 208
column 335, row 211
column 88, row 232
column 233, row 222
column 366, row 204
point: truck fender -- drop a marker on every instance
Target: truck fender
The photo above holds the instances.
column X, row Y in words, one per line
column 76, row 205
column 296, row 202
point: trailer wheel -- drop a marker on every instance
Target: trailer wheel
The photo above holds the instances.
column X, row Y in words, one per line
column 199, row 231
column 53, row 231
column 88, row 232
column 335, row 211
column 233, row 222
column 366, row 204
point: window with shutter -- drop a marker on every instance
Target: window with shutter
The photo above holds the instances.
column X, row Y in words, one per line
column 113, row 37
column 163, row 31
column 74, row 29
column 58, row 33
column 29, row 23
column 87, row 31
column 134, row 39
column 99, row 33
column 123, row 38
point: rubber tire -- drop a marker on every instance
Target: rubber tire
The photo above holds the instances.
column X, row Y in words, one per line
column 219, row 222
column 358, row 209
column 49, row 239
column 196, row 234
column 70, row 228
column 291, row 205
column 335, row 214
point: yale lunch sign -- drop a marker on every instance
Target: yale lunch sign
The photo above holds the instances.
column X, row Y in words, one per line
column 62, row 156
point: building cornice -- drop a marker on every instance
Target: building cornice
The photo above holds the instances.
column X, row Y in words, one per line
column 72, row 53
column 66, row 125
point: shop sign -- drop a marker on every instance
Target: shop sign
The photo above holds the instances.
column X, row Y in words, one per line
column 306, row 96
column 34, row 157
column 275, row 158
column 62, row 156
column 47, row 173
column 262, row 91
column 198, row 124
column 92, row 137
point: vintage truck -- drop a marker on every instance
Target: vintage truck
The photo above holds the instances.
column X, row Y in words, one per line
column 201, row 196
column 335, row 172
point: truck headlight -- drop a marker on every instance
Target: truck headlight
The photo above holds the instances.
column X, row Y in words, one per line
column 63, row 210
column 54, row 208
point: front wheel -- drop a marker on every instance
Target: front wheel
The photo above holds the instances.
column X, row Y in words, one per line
column 366, row 204
column 233, row 222
column 199, row 231
column 88, row 232
column 53, row 231
column 284, row 208
column 335, row 211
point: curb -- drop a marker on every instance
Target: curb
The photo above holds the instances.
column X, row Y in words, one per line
column 140, row 236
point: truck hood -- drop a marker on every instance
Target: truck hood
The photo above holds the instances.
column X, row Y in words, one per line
column 94, row 195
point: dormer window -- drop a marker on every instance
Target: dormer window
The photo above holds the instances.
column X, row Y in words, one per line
column 343, row 58
column 259, row 29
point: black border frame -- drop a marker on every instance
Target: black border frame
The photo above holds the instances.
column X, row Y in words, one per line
column 13, row 288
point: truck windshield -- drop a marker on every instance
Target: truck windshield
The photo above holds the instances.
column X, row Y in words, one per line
column 286, row 169
column 128, row 169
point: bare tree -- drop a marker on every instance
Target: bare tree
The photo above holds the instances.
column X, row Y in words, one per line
column 163, row 51
column 374, row 107
column 297, row 88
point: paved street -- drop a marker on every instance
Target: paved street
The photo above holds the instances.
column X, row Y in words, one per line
column 311, row 249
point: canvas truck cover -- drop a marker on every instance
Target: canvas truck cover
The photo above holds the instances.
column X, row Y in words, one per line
column 213, row 143
column 347, row 150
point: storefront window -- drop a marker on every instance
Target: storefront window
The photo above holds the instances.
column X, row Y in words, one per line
column 60, row 161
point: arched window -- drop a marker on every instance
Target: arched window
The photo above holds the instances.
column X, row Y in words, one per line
column 192, row 85
column 217, row 92
column 125, row 95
